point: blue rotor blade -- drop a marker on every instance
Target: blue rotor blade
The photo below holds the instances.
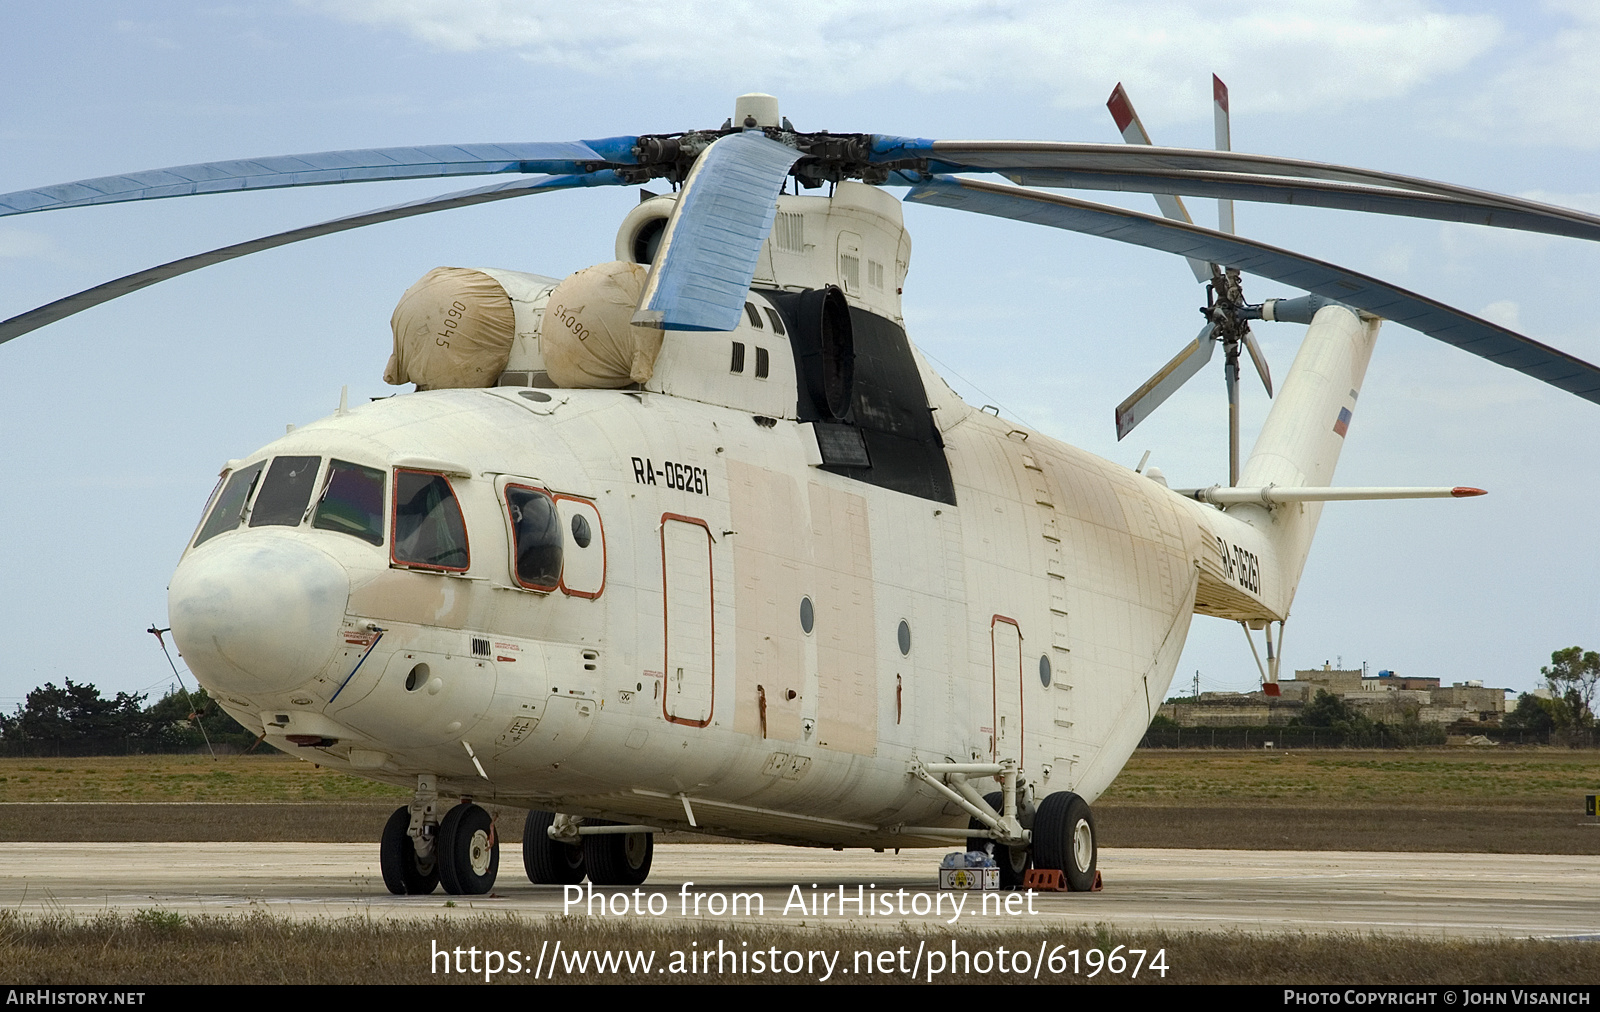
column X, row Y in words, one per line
column 371, row 164
column 1437, row 320
column 709, row 250
column 62, row 308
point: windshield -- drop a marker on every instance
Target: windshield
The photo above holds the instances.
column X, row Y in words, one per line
column 286, row 492
column 229, row 509
column 352, row 502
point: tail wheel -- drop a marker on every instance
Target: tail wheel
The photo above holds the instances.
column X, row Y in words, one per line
column 546, row 861
column 469, row 851
column 621, row 859
column 1014, row 861
column 1064, row 838
column 403, row 872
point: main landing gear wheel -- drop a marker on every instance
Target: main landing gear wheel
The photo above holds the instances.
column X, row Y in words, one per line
column 1064, row 838
column 618, row 859
column 403, row 872
column 546, row 861
column 1014, row 861
column 469, row 851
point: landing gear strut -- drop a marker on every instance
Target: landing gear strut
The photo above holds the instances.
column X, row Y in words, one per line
column 1014, row 861
column 407, row 853
column 405, row 872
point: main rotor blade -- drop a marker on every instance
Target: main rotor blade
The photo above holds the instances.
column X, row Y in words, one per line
column 1165, row 382
column 708, row 253
column 89, row 298
column 1491, row 209
column 325, row 167
column 1437, row 320
column 1224, row 135
column 1133, row 132
column 1241, row 176
column 1259, row 359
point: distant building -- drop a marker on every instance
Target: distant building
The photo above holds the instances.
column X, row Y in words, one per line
column 1233, row 709
column 1388, row 681
column 1387, row 697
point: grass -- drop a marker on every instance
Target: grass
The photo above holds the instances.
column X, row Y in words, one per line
column 154, row 946
column 1523, row 800
column 1476, row 778
column 233, row 778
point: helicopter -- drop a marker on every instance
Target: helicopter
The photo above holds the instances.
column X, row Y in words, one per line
column 698, row 540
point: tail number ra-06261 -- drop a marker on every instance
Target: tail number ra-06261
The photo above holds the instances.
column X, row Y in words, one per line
column 1241, row 565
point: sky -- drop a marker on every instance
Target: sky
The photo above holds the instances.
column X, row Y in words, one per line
column 114, row 423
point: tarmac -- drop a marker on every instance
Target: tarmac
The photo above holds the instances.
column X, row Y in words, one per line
column 1264, row 892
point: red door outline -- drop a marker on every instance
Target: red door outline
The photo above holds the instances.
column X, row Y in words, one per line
column 666, row 634
column 994, row 667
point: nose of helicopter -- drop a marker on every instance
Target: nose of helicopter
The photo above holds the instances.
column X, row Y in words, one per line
column 256, row 614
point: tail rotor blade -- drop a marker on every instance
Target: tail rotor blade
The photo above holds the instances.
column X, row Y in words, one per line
column 1259, row 359
column 1165, row 382
column 1171, row 204
column 1219, row 108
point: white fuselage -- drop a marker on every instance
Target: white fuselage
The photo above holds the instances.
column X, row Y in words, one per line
column 766, row 638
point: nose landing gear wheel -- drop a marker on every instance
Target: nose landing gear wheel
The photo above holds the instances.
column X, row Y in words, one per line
column 546, row 861
column 621, row 859
column 403, row 872
column 1014, row 861
column 1064, row 838
column 469, row 851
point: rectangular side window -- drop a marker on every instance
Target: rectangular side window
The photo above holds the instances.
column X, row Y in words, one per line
column 429, row 530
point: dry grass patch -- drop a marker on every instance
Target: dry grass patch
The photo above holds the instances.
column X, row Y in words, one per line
column 1529, row 777
column 233, row 778
column 161, row 947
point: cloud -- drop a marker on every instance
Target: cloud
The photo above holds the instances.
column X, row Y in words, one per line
column 1505, row 313
column 1548, row 91
column 1288, row 56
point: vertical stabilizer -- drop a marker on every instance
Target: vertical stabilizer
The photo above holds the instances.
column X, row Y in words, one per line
column 1299, row 444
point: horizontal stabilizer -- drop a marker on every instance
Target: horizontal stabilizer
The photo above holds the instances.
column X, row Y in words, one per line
column 1277, row 495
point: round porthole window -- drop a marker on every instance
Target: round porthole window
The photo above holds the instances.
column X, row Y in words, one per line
column 580, row 530
column 1044, row 669
column 904, row 634
column 808, row 614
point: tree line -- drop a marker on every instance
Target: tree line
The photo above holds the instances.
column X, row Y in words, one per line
column 75, row 719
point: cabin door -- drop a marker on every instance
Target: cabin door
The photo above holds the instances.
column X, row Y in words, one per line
column 1006, row 640
column 689, row 693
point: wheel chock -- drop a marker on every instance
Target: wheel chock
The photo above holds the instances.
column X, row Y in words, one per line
column 1051, row 880
column 1045, row 880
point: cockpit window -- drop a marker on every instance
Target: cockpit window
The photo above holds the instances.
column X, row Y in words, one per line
column 428, row 527
column 286, row 492
column 229, row 506
column 352, row 502
column 536, row 537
